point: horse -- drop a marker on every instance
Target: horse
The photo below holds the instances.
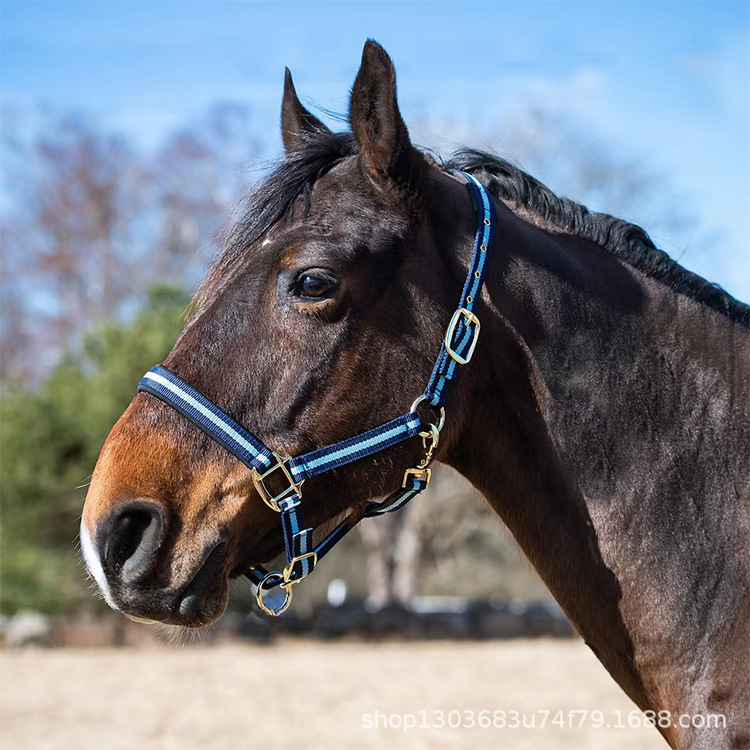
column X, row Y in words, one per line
column 604, row 415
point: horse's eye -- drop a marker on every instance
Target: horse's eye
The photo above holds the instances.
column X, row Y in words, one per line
column 314, row 286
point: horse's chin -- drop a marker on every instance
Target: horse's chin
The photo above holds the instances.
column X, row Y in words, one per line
column 181, row 635
column 196, row 605
column 197, row 616
column 202, row 617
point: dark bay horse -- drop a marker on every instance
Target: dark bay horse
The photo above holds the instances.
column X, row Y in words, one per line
column 605, row 415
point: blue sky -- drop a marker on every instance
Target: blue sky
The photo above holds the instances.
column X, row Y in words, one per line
column 668, row 82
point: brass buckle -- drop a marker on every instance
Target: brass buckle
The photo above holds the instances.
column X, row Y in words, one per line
column 272, row 501
column 420, row 470
column 289, row 569
column 470, row 319
column 419, row 474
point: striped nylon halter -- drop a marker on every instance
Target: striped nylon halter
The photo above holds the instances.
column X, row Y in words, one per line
column 302, row 554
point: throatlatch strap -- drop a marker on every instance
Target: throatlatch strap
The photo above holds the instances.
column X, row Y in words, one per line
column 398, row 500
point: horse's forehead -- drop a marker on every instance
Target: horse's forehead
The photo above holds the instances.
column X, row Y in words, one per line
column 344, row 210
column 344, row 201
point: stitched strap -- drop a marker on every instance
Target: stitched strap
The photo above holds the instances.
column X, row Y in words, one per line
column 375, row 440
column 194, row 406
column 397, row 500
column 297, row 541
column 446, row 367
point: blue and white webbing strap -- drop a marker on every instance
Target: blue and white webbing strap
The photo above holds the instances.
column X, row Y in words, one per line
column 217, row 424
column 398, row 500
column 378, row 439
column 204, row 414
column 298, row 542
column 462, row 335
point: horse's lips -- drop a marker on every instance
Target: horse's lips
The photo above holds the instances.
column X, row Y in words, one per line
column 142, row 620
column 202, row 585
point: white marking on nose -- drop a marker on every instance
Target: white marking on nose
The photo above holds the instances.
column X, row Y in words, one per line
column 94, row 565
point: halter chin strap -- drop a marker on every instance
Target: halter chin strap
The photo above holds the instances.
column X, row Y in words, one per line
column 287, row 473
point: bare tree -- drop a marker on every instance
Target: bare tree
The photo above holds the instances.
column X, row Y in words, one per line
column 90, row 222
column 436, row 527
column 199, row 174
column 582, row 165
column 67, row 235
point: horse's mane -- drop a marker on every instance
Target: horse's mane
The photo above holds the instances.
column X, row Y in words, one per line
column 627, row 241
column 297, row 174
column 274, row 198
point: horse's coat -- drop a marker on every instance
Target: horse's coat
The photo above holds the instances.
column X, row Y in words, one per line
column 606, row 415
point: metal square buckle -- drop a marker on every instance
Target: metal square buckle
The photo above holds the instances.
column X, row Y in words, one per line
column 450, row 333
column 289, row 569
column 419, row 474
column 271, row 500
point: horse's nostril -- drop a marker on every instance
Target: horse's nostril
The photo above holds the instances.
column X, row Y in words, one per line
column 127, row 536
column 131, row 546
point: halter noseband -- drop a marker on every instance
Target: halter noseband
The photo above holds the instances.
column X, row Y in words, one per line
column 302, row 555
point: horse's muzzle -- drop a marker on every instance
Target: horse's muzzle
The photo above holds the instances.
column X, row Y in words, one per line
column 128, row 556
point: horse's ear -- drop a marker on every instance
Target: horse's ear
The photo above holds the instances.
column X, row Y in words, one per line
column 297, row 124
column 376, row 120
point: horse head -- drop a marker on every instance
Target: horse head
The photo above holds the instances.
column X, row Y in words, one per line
column 321, row 318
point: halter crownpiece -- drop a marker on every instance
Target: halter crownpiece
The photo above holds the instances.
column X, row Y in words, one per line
column 290, row 472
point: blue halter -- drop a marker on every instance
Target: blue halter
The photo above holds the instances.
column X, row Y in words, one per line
column 302, row 555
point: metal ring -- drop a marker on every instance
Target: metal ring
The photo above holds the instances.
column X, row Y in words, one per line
column 418, row 400
column 287, row 596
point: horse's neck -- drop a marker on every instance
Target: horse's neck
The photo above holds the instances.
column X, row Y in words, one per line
column 586, row 433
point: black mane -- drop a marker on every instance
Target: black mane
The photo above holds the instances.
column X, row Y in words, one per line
column 275, row 198
column 627, row 241
column 297, row 174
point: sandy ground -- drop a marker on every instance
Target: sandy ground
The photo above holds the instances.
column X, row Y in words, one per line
column 305, row 694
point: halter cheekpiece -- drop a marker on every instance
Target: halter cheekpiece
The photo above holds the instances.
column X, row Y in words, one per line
column 290, row 472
